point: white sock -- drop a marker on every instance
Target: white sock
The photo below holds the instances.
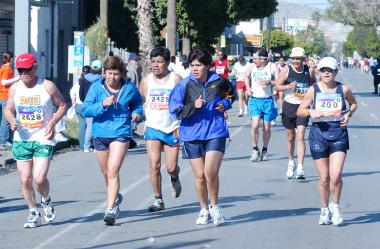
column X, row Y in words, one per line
column 33, row 210
column 299, row 166
column 45, row 199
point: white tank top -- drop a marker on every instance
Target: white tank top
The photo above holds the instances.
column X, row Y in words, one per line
column 34, row 110
column 264, row 74
column 157, row 105
column 241, row 70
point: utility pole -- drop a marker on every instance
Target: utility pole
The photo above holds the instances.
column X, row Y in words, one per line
column 171, row 27
column 104, row 13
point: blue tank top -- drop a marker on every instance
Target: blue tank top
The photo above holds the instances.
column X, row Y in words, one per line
column 331, row 125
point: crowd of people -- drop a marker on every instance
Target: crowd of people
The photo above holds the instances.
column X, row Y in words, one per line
column 180, row 103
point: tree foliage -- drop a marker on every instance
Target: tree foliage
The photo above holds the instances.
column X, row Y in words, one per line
column 313, row 41
column 279, row 41
column 365, row 41
column 95, row 38
column 354, row 12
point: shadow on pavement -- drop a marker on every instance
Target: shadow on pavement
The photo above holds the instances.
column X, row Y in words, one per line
column 25, row 207
column 366, row 173
column 364, row 219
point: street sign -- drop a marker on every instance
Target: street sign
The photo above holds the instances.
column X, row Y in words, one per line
column 78, row 51
column 254, row 40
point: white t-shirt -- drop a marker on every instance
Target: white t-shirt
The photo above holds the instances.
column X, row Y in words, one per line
column 241, row 70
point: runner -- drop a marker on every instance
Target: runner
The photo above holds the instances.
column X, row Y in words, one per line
column 29, row 112
column 221, row 66
column 240, row 69
column 294, row 81
column 112, row 102
column 6, row 79
column 199, row 102
column 328, row 137
column 160, row 128
column 260, row 78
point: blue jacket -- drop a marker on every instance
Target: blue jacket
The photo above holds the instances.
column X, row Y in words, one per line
column 112, row 122
column 206, row 122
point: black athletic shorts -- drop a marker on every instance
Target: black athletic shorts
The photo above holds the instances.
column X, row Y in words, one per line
column 289, row 116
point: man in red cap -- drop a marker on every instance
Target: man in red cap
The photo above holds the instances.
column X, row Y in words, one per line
column 29, row 112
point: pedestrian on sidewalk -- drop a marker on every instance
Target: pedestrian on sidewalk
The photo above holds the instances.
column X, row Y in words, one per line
column 376, row 76
column 29, row 111
column 6, row 79
column 328, row 137
column 200, row 101
column 161, row 129
column 113, row 103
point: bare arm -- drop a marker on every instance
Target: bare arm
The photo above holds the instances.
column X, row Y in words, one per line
column 58, row 102
column 304, row 108
column 280, row 87
column 275, row 71
column 143, row 88
column 247, row 78
column 353, row 105
column 9, row 111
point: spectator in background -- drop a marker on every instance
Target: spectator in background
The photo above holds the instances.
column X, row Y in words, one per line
column 6, row 79
column 84, row 129
column 376, row 76
column 134, row 70
column 172, row 66
column 84, row 85
column 184, row 67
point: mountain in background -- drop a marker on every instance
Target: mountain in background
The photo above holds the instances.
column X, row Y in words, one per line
column 334, row 32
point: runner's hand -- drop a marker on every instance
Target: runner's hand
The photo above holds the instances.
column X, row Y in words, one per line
column 14, row 125
column 136, row 117
column 344, row 119
column 220, row 107
column 264, row 83
column 315, row 114
column 291, row 86
column 49, row 131
column 108, row 101
column 199, row 102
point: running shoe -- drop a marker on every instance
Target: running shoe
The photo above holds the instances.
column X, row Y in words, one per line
column 158, row 205
column 34, row 220
column 264, row 155
column 110, row 215
column 175, row 187
column 49, row 212
column 324, row 218
column 216, row 214
column 336, row 214
column 272, row 122
column 290, row 171
column 203, row 217
column 255, row 155
column 300, row 174
column 245, row 110
column 240, row 114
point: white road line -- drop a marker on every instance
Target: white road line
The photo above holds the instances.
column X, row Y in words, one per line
column 374, row 116
column 363, row 103
column 102, row 206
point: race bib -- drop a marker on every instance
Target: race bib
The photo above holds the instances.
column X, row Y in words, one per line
column 31, row 116
column 219, row 69
column 159, row 99
column 330, row 104
column 300, row 90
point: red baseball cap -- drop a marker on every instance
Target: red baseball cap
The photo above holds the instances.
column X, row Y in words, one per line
column 25, row 61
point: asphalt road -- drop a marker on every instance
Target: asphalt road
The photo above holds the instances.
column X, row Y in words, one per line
column 262, row 208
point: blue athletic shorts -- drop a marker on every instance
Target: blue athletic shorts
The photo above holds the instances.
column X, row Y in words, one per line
column 322, row 145
column 263, row 107
column 170, row 139
column 103, row 143
column 199, row 148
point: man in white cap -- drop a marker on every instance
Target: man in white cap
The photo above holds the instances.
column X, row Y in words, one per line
column 294, row 81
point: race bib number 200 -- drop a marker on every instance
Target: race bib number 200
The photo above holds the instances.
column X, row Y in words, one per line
column 328, row 103
column 31, row 116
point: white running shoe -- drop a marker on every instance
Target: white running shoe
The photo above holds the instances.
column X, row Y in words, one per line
column 240, row 114
column 300, row 174
column 203, row 217
column 255, row 155
column 49, row 212
column 216, row 215
column 324, row 218
column 59, row 137
column 336, row 214
column 291, row 169
column 34, row 220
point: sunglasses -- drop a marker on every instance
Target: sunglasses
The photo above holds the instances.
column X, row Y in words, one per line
column 326, row 69
column 24, row 70
column 297, row 58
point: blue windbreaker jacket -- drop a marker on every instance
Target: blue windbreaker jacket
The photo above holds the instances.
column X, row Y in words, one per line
column 113, row 121
column 206, row 122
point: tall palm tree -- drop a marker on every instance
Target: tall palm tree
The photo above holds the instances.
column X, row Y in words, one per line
column 144, row 10
column 104, row 12
column 171, row 26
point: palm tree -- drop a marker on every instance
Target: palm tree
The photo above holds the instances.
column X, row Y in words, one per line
column 171, row 26
column 316, row 17
column 144, row 10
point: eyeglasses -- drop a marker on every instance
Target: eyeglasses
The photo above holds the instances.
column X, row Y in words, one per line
column 24, row 70
column 297, row 58
column 326, row 69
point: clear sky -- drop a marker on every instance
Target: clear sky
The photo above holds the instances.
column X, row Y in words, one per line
column 322, row 4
